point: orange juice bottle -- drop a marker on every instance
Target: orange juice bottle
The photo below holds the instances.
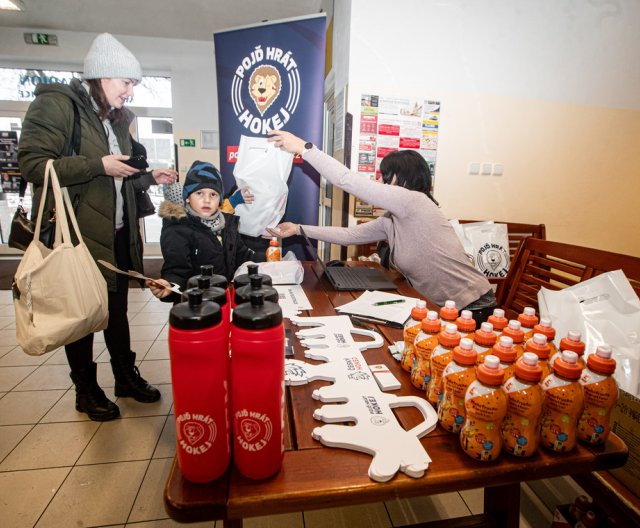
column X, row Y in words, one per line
column 521, row 425
column 514, row 331
column 539, row 346
column 411, row 329
column 498, row 320
column 466, row 323
column 486, row 405
column 440, row 357
column 425, row 342
column 483, row 340
column 528, row 319
column 456, row 378
column 448, row 313
column 600, row 396
column 505, row 352
column 545, row 327
column 273, row 251
column 562, row 403
column 572, row 341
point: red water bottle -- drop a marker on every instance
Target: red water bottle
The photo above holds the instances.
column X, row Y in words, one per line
column 218, row 281
column 199, row 352
column 257, row 387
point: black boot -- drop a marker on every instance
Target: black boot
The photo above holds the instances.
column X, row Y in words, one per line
column 90, row 398
column 129, row 382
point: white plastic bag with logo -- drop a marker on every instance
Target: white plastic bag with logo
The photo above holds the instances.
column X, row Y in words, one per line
column 604, row 309
column 264, row 169
column 487, row 245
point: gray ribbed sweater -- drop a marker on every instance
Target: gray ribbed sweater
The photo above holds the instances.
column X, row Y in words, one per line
column 424, row 247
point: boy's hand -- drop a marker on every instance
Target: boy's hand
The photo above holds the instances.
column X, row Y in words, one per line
column 159, row 287
column 247, row 195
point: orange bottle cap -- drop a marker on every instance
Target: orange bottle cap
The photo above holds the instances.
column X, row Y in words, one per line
column 544, row 327
column 449, row 337
column 419, row 311
column 466, row 322
column 431, row 323
column 497, row 319
column 601, row 360
column 528, row 317
column 527, row 368
column 566, row 365
column 464, row 353
column 504, row 350
column 514, row 331
column 572, row 342
column 490, row 372
column 485, row 336
column 538, row 344
column 449, row 312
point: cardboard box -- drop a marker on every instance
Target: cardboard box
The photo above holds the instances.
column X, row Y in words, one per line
column 625, row 420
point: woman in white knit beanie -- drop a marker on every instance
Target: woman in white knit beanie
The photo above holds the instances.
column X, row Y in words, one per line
column 85, row 127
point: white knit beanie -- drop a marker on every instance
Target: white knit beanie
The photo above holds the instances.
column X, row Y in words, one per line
column 109, row 59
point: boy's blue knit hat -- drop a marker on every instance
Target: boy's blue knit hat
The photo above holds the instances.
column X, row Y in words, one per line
column 202, row 175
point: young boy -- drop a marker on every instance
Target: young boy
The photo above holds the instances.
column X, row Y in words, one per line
column 198, row 232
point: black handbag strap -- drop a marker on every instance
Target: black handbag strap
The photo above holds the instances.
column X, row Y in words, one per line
column 76, row 139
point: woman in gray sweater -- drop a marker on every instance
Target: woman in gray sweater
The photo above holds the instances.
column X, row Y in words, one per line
column 423, row 245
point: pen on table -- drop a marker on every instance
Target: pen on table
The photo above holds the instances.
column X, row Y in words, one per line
column 382, row 303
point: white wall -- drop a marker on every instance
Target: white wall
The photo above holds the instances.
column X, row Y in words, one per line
column 550, row 89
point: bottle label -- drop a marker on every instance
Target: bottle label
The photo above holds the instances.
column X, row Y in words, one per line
column 196, row 432
column 253, row 429
column 588, row 377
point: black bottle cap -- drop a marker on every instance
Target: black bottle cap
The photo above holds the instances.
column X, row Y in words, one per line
column 243, row 294
column 252, row 269
column 219, row 281
column 258, row 314
column 213, row 294
column 195, row 313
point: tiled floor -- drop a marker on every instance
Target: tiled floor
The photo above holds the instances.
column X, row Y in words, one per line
column 58, row 469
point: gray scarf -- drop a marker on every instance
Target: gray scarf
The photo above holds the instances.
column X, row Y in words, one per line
column 215, row 222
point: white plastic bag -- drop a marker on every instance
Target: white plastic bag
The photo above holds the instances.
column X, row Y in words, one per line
column 287, row 271
column 264, row 169
column 604, row 309
column 486, row 244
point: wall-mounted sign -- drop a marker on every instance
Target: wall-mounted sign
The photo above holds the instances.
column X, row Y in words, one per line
column 42, row 39
column 187, row 142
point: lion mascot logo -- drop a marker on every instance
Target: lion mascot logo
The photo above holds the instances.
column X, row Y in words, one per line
column 264, row 87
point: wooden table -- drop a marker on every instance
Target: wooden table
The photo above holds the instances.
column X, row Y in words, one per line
column 315, row 477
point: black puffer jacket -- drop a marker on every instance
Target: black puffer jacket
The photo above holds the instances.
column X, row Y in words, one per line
column 187, row 244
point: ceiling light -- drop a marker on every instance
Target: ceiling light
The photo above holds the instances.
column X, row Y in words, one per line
column 11, row 5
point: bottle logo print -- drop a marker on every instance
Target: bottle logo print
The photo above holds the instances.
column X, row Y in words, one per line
column 196, row 432
column 254, row 429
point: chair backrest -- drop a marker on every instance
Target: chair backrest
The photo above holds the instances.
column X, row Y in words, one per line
column 517, row 232
column 556, row 265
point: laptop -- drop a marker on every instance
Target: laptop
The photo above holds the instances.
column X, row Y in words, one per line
column 351, row 278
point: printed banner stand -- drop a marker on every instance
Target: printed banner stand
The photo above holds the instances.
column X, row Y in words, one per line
column 271, row 76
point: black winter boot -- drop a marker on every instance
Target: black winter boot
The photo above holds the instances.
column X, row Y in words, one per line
column 129, row 382
column 90, row 398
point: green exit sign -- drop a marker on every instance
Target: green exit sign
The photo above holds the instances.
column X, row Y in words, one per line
column 43, row 39
column 187, row 142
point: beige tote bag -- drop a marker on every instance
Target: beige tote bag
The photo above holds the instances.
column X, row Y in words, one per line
column 59, row 295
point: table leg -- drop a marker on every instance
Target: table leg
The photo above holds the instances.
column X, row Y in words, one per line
column 503, row 504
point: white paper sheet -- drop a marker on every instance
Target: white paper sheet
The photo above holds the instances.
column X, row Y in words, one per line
column 392, row 313
column 292, row 299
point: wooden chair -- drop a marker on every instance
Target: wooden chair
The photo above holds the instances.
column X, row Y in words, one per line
column 555, row 265
column 517, row 232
